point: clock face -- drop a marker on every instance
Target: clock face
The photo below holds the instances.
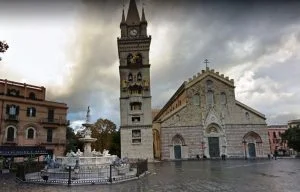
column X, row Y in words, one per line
column 133, row 32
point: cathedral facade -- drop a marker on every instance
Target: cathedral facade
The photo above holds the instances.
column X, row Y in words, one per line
column 135, row 92
column 201, row 120
column 204, row 120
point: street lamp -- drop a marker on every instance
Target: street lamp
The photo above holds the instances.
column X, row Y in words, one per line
column 244, row 142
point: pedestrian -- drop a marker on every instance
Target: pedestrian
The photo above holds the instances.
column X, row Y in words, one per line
column 275, row 154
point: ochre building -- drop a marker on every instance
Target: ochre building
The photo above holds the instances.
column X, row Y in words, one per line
column 28, row 119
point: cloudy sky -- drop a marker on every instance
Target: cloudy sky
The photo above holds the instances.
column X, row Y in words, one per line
column 71, row 48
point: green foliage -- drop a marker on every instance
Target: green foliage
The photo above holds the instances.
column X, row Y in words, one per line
column 73, row 142
column 107, row 136
column 3, row 46
column 104, row 130
column 292, row 136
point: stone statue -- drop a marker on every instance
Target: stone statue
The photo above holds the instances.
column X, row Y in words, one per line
column 124, row 84
column 79, row 153
column 106, row 153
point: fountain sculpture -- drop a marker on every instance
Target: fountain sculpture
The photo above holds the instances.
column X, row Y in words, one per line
column 88, row 159
column 90, row 166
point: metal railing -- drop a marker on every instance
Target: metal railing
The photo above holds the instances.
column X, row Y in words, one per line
column 12, row 118
column 84, row 175
column 55, row 121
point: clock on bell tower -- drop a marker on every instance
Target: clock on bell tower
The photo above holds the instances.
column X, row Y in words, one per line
column 135, row 90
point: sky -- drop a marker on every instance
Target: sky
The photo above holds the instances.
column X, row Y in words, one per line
column 70, row 47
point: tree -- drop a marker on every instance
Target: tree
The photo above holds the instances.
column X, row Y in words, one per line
column 3, row 47
column 107, row 136
column 292, row 136
column 73, row 142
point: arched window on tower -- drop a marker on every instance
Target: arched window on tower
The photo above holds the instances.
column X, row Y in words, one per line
column 129, row 59
column 139, row 76
column 139, row 59
column 130, row 77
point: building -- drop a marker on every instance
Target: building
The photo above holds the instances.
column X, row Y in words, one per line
column 294, row 123
column 135, row 90
column 203, row 119
column 28, row 120
column 276, row 143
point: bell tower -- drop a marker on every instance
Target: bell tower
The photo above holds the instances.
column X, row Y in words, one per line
column 135, row 91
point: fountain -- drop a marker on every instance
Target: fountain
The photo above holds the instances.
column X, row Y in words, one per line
column 88, row 159
column 88, row 167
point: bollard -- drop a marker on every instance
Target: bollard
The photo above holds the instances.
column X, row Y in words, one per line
column 69, row 180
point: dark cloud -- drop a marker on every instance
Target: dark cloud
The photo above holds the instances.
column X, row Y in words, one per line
column 231, row 34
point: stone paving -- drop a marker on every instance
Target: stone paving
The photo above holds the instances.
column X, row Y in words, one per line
column 280, row 175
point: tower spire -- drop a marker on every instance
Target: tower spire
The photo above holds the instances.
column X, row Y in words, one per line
column 133, row 17
column 123, row 16
column 143, row 16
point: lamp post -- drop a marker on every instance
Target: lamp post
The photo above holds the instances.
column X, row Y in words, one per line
column 244, row 142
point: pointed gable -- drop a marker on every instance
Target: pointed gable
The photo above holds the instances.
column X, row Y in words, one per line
column 133, row 17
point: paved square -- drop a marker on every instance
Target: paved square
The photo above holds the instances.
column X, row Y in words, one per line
column 231, row 175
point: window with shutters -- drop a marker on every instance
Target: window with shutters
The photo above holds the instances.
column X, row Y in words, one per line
column 30, row 133
column 49, row 135
column 12, row 111
column 10, row 134
column 50, row 115
column 31, row 112
column 32, row 96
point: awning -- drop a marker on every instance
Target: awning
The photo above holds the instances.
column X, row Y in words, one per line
column 22, row 151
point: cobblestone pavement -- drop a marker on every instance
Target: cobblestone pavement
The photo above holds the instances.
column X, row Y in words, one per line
column 232, row 175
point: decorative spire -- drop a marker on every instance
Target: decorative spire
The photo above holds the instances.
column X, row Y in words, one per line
column 133, row 17
column 123, row 17
column 123, row 14
column 143, row 16
column 88, row 116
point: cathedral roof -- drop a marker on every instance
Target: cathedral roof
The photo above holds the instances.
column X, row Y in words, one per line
column 209, row 72
column 133, row 17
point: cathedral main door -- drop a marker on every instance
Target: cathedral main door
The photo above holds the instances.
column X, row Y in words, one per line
column 251, row 149
column 177, row 151
column 214, row 148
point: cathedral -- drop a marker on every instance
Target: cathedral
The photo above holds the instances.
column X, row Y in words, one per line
column 201, row 120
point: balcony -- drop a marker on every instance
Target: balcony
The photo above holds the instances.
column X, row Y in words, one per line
column 54, row 141
column 12, row 118
column 8, row 141
column 55, row 121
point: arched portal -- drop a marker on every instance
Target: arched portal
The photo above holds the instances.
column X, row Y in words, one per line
column 214, row 141
column 252, row 145
column 177, row 142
